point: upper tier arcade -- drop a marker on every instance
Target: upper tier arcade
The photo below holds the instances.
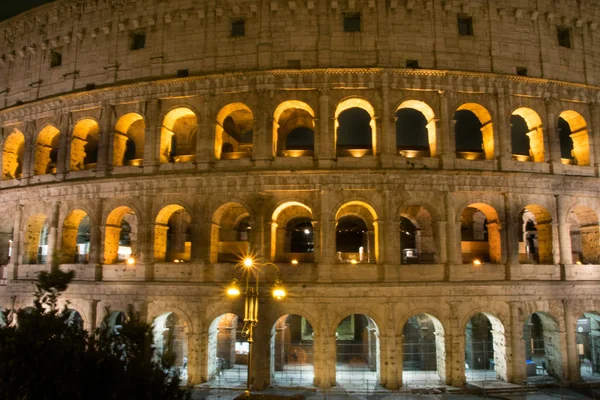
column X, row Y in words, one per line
column 71, row 45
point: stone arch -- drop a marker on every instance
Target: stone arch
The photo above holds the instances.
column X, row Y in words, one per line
column 585, row 234
column 6, row 238
column 230, row 233
column 287, row 243
column 129, row 140
column 418, row 239
column 588, row 347
column 525, row 122
column 535, row 235
column 291, row 351
column 480, row 233
column 423, row 349
column 178, row 136
column 293, row 129
column 120, row 245
column 574, row 138
column 46, row 150
column 410, row 143
column 75, row 238
column 35, row 240
column 84, row 144
column 172, row 234
column 484, row 344
column 224, row 352
column 541, row 334
column 234, row 132
column 357, row 350
column 474, row 132
column 169, row 334
column 13, row 152
column 355, row 128
column 356, row 229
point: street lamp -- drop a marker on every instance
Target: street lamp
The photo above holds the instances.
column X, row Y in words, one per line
column 251, row 267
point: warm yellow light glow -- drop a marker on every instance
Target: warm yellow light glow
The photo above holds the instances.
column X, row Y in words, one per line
column 130, row 261
column 477, row 262
column 358, row 153
column 353, row 262
column 248, row 262
column 295, row 262
column 278, row 290
column 233, row 290
column 578, row 262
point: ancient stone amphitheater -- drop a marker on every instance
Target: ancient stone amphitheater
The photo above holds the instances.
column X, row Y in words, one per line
column 425, row 175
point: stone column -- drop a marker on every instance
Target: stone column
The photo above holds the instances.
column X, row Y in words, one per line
column 64, row 149
column 52, row 234
column 106, row 127
column 455, row 348
column 571, row 370
column 386, row 138
column 391, row 238
column 503, row 130
column 454, row 255
column 324, row 348
column 545, row 242
column 389, row 360
column 145, row 251
column 552, row 137
column 446, row 132
column 96, row 241
column 495, row 242
column 518, row 366
column 28, row 156
column 512, row 240
column 194, row 359
column 325, row 138
column 152, row 139
column 564, row 234
column 317, row 226
column 441, row 242
column 205, row 136
column 261, row 357
column 595, row 142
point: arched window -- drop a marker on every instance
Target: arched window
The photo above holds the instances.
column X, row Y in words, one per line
column 415, row 130
column 178, row 136
column 129, row 140
column 84, row 145
column 357, row 351
column 12, row 155
column 473, row 131
column 355, row 128
column 574, row 139
column 75, row 241
column 417, row 242
column 585, row 235
column 485, row 349
column 234, row 132
column 541, row 335
column 293, row 129
column 356, row 234
column 46, row 151
column 480, row 234
column 36, row 240
column 120, row 243
column 527, row 135
column 230, row 234
column 172, row 235
column 423, row 350
column 292, row 236
column 292, row 339
column 535, row 239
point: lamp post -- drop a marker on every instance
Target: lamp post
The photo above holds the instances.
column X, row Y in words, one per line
column 251, row 267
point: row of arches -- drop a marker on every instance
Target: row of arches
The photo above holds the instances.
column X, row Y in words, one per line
column 295, row 235
column 293, row 132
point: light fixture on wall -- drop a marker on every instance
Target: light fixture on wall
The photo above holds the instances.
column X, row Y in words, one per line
column 477, row 262
column 131, row 261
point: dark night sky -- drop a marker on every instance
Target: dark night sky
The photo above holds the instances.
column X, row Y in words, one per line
column 10, row 8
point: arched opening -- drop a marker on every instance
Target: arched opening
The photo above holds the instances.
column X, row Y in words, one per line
column 170, row 342
column 357, row 352
column 585, row 235
column 535, row 235
column 113, row 321
column 293, row 129
column 234, row 132
column 12, row 156
column 356, row 239
column 230, row 233
column 128, row 140
column 35, row 249
column 292, row 338
column 173, row 235
column 574, row 139
column 588, row 345
column 227, row 351
column 542, row 348
column 120, row 243
column 46, row 151
column 417, row 241
column 474, row 133
column 415, row 130
column 6, row 239
column 75, row 240
column 292, row 233
column 423, row 351
column 485, row 349
column 178, row 136
column 527, row 135
column 480, row 234
column 84, row 145
column 355, row 128
column 74, row 318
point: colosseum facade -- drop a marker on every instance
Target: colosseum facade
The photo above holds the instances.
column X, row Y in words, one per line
column 425, row 175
